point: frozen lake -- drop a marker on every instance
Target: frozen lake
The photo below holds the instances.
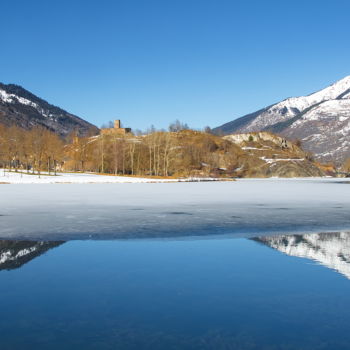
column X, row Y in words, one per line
column 244, row 208
column 250, row 264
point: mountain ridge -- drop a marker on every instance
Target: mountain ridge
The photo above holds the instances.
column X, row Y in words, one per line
column 20, row 107
column 323, row 133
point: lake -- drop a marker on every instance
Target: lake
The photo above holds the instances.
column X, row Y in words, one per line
column 243, row 208
column 270, row 292
column 251, row 264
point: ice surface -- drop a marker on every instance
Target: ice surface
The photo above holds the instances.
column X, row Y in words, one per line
column 245, row 208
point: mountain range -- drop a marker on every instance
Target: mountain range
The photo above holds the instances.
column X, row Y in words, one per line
column 22, row 108
column 321, row 121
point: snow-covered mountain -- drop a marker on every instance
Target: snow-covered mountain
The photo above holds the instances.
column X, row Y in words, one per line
column 320, row 120
column 329, row 249
column 14, row 254
column 21, row 108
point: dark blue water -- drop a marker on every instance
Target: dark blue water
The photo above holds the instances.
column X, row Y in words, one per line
column 167, row 294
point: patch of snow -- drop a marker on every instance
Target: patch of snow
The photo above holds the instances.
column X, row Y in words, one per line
column 12, row 98
column 255, row 148
column 274, row 160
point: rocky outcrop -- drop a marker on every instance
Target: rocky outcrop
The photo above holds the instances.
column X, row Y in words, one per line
column 269, row 155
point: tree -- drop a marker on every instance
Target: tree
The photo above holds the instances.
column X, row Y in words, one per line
column 177, row 126
column 207, row 130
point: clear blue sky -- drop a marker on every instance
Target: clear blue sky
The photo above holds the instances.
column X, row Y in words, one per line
column 151, row 62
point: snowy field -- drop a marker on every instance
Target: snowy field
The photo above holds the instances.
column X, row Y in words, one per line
column 24, row 178
column 244, row 208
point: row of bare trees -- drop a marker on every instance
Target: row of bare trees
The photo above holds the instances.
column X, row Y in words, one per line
column 32, row 150
column 123, row 154
column 159, row 153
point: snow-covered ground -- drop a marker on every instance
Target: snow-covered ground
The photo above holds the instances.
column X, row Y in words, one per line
column 24, row 178
column 83, row 178
column 244, row 208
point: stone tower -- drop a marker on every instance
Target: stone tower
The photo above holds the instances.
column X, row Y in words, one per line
column 117, row 124
column 116, row 130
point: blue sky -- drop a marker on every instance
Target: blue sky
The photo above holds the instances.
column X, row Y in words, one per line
column 151, row 62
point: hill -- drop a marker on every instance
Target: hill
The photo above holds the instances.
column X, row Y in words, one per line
column 189, row 153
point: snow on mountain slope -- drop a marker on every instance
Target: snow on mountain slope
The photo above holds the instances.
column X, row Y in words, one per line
column 291, row 107
column 346, row 95
column 22, row 108
column 12, row 98
column 329, row 249
column 319, row 120
column 325, row 130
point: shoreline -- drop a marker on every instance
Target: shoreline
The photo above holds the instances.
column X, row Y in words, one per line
column 12, row 177
column 17, row 178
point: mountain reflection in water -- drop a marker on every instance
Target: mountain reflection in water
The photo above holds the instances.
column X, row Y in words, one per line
column 329, row 249
column 14, row 254
column 194, row 293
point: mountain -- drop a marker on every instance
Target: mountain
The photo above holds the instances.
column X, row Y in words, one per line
column 321, row 121
column 21, row 108
column 14, row 254
column 329, row 249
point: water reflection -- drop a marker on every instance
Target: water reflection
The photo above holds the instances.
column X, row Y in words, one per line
column 329, row 249
column 14, row 254
column 173, row 294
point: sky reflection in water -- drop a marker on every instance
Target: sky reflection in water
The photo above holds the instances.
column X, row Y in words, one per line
column 168, row 294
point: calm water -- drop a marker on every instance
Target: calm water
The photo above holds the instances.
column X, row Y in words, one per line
column 284, row 292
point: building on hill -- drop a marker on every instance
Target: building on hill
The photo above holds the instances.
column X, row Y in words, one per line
column 116, row 130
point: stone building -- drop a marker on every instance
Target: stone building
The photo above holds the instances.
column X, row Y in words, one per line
column 116, row 130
